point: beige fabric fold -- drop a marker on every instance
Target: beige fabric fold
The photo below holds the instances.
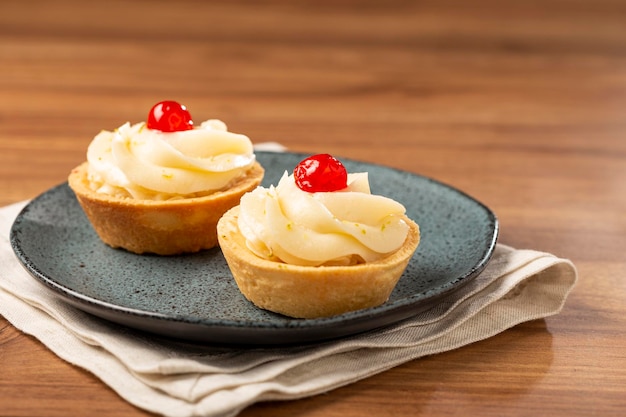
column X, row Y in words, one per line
column 179, row 379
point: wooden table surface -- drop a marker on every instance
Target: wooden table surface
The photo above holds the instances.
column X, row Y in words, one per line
column 521, row 104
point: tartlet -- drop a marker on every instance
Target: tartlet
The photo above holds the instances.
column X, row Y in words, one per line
column 160, row 187
column 304, row 251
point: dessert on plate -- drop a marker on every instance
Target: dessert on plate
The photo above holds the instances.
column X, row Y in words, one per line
column 318, row 243
column 160, row 186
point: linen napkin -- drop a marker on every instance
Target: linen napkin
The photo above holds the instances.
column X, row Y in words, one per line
column 179, row 379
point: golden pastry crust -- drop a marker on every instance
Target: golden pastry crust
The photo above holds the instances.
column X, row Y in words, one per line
column 159, row 227
column 311, row 292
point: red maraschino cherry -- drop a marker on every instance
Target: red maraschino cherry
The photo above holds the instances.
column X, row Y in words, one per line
column 320, row 173
column 169, row 116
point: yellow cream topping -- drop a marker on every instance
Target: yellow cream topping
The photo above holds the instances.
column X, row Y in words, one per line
column 345, row 227
column 137, row 162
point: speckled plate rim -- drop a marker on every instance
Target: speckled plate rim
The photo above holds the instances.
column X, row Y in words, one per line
column 250, row 332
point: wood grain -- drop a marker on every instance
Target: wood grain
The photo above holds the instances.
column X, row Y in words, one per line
column 520, row 104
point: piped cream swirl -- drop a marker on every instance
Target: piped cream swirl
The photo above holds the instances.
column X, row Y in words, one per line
column 349, row 226
column 137, row 162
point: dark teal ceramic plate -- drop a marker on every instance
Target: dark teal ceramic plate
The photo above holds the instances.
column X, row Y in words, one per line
column 194, row 297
